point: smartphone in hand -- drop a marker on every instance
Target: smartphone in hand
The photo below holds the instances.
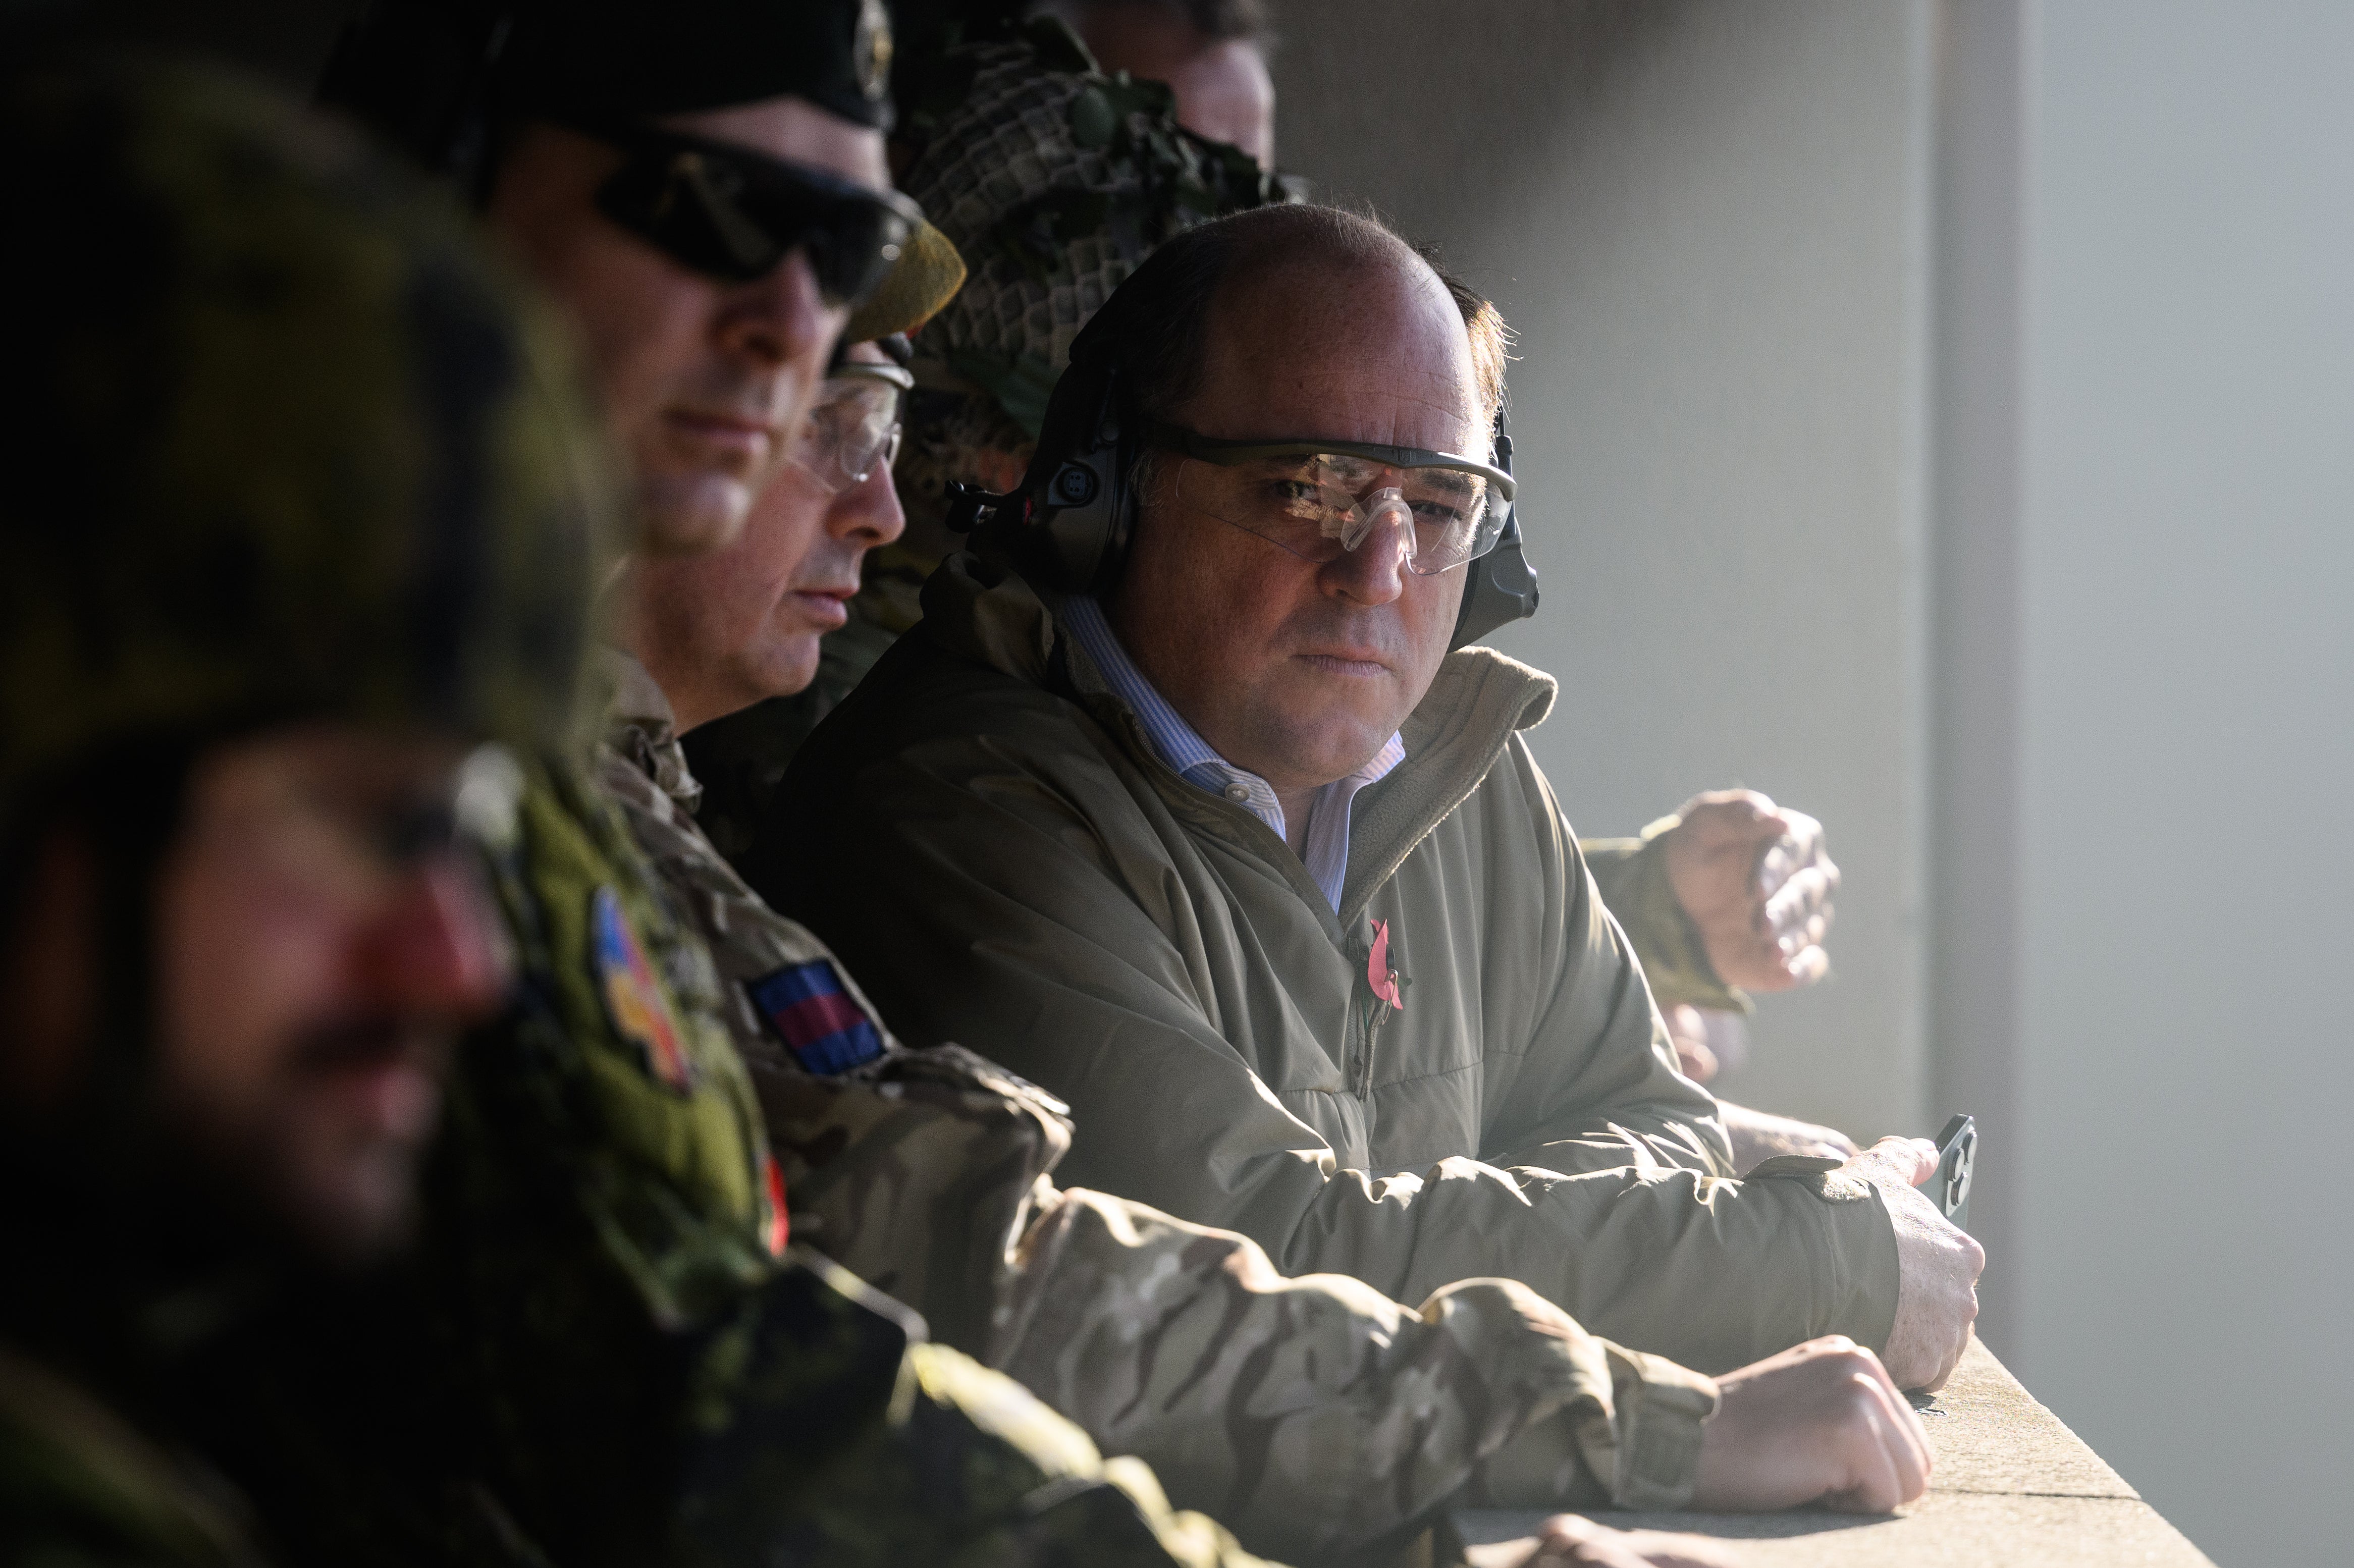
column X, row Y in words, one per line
column 1958, row 1156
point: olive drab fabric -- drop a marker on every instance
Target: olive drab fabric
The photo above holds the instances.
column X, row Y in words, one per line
column 1006, row 862
column 1310, row 1415
column 282, row 441
column 1631, row 875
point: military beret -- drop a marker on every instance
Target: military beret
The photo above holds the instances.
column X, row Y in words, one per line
column 437, row 75
column 674, row 57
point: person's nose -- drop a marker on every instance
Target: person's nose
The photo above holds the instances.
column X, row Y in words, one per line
column 437, row 946
column 1375, row 572
column 781, row 319
column 867, row 513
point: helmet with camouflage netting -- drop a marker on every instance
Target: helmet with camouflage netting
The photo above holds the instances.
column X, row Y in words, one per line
column 285, row 444
column 1055, row 182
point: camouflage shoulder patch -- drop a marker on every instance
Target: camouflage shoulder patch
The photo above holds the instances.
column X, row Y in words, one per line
column 640, row 1014
column 813, row 1012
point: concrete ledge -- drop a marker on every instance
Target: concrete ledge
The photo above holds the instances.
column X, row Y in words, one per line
column 2013, row 1486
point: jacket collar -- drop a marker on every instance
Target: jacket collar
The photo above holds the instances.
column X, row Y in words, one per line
column 642, row 727
column 984, row 611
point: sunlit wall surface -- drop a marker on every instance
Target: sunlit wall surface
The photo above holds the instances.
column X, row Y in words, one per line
column 1708, row 223
column 1941, row 417
column 2187, row 736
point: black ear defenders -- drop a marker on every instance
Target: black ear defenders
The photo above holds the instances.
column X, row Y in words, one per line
column 1500, row 587
column 1075, row 513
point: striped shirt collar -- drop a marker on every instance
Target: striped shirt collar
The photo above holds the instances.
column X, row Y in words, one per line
column 1326, row 853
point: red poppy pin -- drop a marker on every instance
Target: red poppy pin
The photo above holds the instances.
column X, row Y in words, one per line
column 779, row 1230
column 1378, row 973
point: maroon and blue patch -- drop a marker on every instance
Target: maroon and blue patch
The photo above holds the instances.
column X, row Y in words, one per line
column 809, row 1010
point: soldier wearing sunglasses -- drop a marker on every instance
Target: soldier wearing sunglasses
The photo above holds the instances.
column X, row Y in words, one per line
column 1230, row 850
column 702, row 186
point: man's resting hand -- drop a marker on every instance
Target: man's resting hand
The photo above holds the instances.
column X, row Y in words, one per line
column 1821, row 1424
column 1756, row 885
column 1937, row 1266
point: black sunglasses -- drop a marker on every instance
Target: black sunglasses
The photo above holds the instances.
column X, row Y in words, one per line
column 732, row 214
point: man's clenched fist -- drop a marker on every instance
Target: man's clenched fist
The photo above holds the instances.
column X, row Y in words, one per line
column 1755, row 882
column 1821, row 1424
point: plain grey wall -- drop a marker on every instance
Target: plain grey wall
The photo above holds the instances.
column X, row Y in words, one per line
column 2185, row 677
column 1941, row 417
column 1708, row 223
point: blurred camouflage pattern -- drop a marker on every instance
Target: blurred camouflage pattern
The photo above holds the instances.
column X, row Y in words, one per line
column 281, row 443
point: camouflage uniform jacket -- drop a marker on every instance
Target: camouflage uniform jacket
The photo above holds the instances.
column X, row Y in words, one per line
column 639, row 1369
column 1312, row 1415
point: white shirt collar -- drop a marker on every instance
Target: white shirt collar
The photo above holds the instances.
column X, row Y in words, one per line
column 1326, row 852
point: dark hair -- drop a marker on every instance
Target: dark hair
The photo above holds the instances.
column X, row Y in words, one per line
column 1155, row 326
column 1216, row 20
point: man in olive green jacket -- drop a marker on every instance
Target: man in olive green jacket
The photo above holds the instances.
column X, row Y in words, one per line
column 1159, row 853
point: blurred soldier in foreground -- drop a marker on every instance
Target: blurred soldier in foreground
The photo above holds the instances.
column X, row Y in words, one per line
column 1102, row 820
column 297, row 523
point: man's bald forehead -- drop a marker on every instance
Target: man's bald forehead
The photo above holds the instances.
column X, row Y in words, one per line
column 1351, row 279
column 1266, row 240
column 1314, row 263
column 1306, row 303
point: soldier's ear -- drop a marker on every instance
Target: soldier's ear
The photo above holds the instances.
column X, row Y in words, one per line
column 50, row 944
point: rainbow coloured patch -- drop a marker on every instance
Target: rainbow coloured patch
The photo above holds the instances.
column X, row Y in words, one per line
column 633, row 997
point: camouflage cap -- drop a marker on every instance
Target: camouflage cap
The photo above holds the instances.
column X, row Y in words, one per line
column 1055, row 182
column 283, row 443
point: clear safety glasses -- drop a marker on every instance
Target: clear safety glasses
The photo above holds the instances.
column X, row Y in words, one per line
column 1321, row 499
column 854, row 428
